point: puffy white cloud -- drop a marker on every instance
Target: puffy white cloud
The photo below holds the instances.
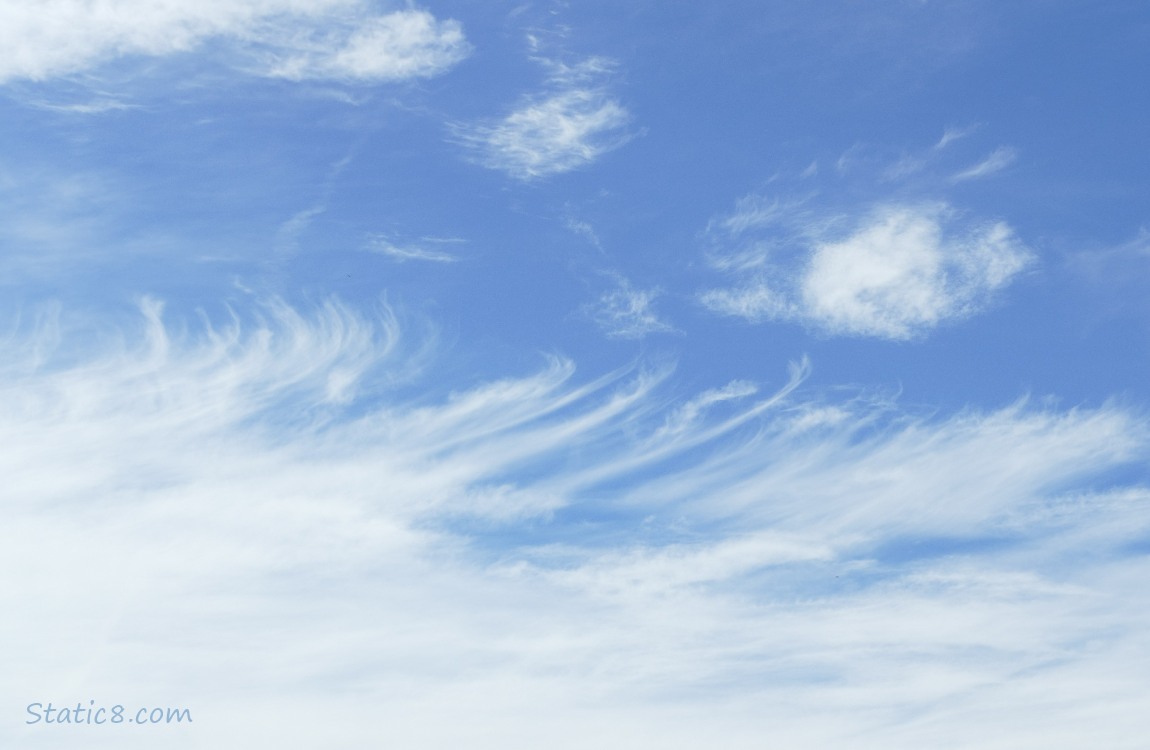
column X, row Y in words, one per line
column 335, row 39
column 895, row 273
column 902, row 272
column 570, row 125
column 250, row 522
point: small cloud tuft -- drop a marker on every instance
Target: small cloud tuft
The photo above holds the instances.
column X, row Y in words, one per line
column 569, row 126
column 628, row 313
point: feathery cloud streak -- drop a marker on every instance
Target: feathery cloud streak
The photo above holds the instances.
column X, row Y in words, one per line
column 319, row 540
column 405, row 252
column 998, row 160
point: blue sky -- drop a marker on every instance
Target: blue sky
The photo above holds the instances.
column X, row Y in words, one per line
column 558, row 374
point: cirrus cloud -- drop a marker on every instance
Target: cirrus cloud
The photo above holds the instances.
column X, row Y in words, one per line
column 251, row 522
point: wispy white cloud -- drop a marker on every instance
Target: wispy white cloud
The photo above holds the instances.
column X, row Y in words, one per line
column 583, row 229
column 571, row 124
column 950, row 135
column 1116, row 275
column 755, row 212
column 755, row 302
column 921, row 165
column 93, row 107
column 1140, row 245
column 1001, row 158
column 1098, row 262
column 396, row 46
column 906, row 166
column 249, row 522
column 290, row 231
column 329, row 39
column 895, row 273
column 52, row 218
column 628, row 313
column 407, row 251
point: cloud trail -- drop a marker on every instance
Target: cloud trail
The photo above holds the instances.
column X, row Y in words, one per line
column 998, row 160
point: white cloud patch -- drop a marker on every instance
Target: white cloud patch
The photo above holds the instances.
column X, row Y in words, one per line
column 327, row 39
column 570, row 125
column 897, row 272
column 249, row 522
column 628, row 313
column 755, row 302
column 903, row 272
